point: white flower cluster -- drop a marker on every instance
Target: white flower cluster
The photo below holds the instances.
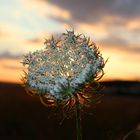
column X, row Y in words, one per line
column 60, row 69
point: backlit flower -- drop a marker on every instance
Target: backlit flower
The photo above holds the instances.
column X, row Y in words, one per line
column 68, row 65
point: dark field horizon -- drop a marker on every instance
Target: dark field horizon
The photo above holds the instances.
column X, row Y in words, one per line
column 23, row 117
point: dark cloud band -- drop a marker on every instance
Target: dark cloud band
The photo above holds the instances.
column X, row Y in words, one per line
column 95, row 10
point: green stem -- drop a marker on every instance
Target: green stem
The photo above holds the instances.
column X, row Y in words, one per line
column 78, row 118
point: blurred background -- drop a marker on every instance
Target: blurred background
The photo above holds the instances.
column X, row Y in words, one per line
column 114, row 25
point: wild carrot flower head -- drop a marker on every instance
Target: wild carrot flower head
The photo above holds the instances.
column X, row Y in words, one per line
column 63, row 68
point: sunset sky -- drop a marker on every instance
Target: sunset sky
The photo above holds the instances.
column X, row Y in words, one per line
column 114, row 25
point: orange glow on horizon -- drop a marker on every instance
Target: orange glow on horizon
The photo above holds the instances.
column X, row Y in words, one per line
column 118, row 67
column 26, row 24
column 10, row 70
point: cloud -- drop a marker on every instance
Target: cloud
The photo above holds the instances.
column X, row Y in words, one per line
column 95, row 10
column 11, row 67
column 9, row 55
column 118, row 43
column 114, row 39
column 61, row 19
column 115, row 22
column 34, row 40
column 136, row 31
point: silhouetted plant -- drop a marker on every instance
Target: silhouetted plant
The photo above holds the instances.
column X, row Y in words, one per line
column 65, row 73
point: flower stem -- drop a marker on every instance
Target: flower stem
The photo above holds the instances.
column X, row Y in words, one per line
column 78, row 118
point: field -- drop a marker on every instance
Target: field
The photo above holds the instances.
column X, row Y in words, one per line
column 23, row 117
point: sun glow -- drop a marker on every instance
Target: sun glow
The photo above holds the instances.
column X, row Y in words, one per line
column 26, row 24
